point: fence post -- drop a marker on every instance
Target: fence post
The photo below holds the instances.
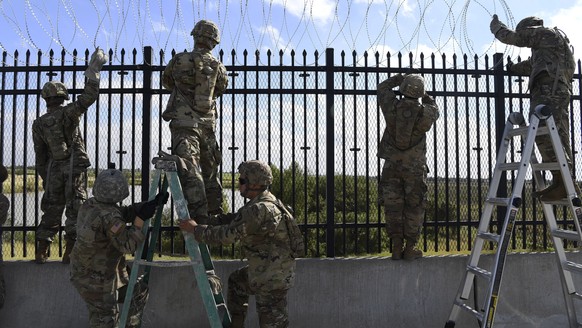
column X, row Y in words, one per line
column 146, row 122
column 500, row 119
column 330, row 153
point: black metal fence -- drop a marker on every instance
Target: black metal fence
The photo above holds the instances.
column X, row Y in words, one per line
column 313, row 117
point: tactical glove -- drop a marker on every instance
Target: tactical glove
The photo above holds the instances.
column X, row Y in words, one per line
column 147, row 209
column 496, row 25
column 98, row 59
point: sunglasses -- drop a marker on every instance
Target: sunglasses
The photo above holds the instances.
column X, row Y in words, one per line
column 242, row 181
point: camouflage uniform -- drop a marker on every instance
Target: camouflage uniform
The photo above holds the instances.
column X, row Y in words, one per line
column 4, row 206
column 196, row 79
column 259, row 225
column 403, row 146
column 98, row 269
column 550, row 69
column 61, row 162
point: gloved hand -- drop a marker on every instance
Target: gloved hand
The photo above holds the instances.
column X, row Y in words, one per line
column 215, row 283
column 98, row 59
column 495, row 25
column 412, row 71
column 147, row 209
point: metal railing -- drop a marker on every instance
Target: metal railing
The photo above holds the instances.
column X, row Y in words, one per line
column 314, row 118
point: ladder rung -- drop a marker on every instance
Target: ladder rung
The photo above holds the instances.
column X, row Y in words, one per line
column 489, row 236
column 566, row 234
column 559, row 202
column 550, row 166
column 514, row 166
column 576, row 295
column 574, row 267
column 479, row 271
column 522, row 131
column 469, row 309
column 165, row 264
column 498, row 201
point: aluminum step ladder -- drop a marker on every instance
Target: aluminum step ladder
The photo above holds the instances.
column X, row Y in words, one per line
column 492, row 275
column 166, row 169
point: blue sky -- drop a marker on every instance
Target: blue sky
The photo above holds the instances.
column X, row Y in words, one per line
column 429, row 26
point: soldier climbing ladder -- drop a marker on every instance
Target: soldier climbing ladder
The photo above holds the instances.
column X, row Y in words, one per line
column 200, row 260
column 512, row 204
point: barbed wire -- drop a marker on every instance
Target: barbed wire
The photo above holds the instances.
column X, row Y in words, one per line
column 279, row 25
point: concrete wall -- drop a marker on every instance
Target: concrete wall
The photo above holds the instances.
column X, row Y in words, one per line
column 359, row 292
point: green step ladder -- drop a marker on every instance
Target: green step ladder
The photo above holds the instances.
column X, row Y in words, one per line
column 492, row 274
column 166, row 169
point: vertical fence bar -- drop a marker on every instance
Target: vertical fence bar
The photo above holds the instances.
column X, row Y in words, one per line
column 146, row 123
column 498, row 87
column 330, row 156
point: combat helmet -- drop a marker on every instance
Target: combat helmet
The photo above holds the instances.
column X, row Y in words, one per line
column 206, row 29
column 412, row 86
column 110, row 187
column 530, row 21
column 54, row 89
column 256, row 172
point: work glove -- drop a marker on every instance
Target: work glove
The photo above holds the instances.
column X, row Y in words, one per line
column 98, row 59
column 147, row 209
column 495, row 25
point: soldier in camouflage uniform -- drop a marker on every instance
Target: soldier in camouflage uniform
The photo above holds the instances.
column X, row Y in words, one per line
column 270, row 240
column 550, row 69
column 61, row 159
column 196, row 79
column 403, row 147
column 98, row 269
column 4, row 206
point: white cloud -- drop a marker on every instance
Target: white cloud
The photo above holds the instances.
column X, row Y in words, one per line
column 320, row 11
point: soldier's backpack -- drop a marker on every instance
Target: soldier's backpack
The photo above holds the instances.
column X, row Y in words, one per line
column 295, row 235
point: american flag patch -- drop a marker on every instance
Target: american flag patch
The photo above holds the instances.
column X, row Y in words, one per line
column 116, row 227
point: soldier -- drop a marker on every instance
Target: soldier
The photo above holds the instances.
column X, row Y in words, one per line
column 196, row 79
column 61, row 159
column 98, row 269
column 550, row 69
column 4, row 206
column 403, row 147
column 271, row 240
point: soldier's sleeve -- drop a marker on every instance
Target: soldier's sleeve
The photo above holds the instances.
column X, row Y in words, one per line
column 429, row 115
column 128, row 213
column 219, row 219
column 522, row 68
column 124, row 239
column 167, row 80
column 40, row 149
column 523, row 38
column 84, row 100
column 385, row 93
column 221, row 81
column 224, row 234
column 4, row 206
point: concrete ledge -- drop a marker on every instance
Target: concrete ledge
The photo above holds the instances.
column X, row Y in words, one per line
column 358, row 292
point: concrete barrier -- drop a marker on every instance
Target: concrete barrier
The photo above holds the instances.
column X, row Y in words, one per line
column 334, row 293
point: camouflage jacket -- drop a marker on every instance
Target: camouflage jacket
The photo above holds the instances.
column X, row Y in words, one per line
column 403, row 142
column 259, row 227
column 56, row 134
column 196, row 79
column 103, row 237
column 550, row 52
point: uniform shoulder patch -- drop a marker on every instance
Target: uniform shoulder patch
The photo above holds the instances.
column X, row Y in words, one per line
column 117, row 227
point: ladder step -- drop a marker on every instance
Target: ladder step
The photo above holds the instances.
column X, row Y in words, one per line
column 469, row 309
column 566, row 234
column 498, row 201
column 577, row 296
column 573, row 267
column 509, row 166
column 549, row 166
column 559, row 202
column 489, row 236
column 479, row 272
column 522, row 131
column 165, row 264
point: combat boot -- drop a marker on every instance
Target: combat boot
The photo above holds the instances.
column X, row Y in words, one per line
column 556, row 183
column 69, row 244
column 555, row 191
column 410, row 252
column 41, row 254
column 397, row 246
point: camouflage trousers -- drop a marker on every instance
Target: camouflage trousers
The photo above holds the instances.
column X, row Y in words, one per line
column 63, row 191
column 271, row 304
column 404, row 200
column 104, row 295
column 557, row 97
column 199, row 179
